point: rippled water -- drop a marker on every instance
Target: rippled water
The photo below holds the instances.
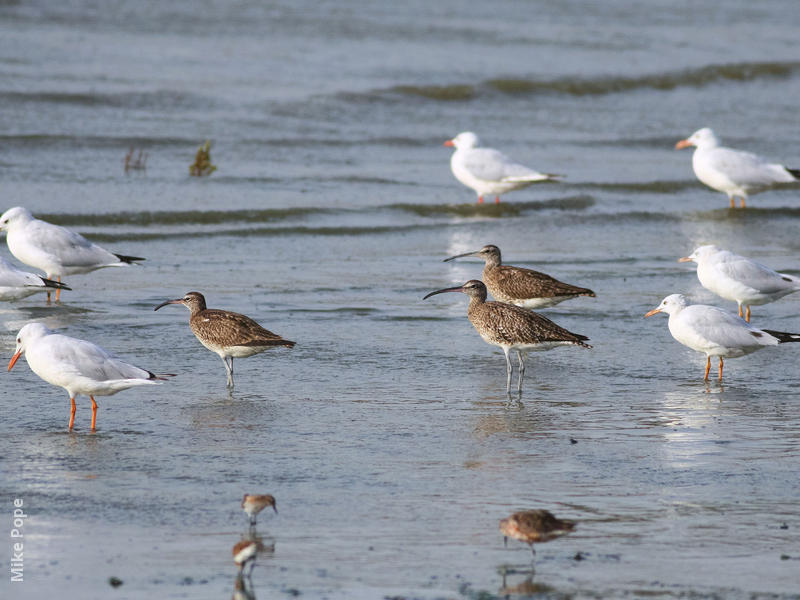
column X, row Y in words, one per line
column 385, row 434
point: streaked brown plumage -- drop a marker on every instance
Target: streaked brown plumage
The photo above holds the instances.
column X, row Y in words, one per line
column 534, row 526
column 228, row 334
column 512, row 327
column 253, row 504
column 520, row 286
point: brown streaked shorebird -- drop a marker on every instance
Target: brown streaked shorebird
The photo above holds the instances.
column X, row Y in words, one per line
column 512, row 327
column 253, row 504
column 534, row 526
column 520, row 286
column 228, row 334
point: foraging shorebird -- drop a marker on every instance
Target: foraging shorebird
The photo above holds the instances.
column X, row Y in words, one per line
column 228, row 334
column 16, row 284
column 734, row 172
column 512, row 327
column 716, row 332
column 488, row 171
column 253, row 504
column 740, row 279
column 54, row 249
column 534, row 526
column 520, row 286
column 78, row 366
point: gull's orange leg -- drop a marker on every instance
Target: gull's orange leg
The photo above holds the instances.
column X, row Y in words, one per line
column 480, row 199
column 747, row 318
column 733, row 201
column 72, row 413
column 497, row 199
column 94, row 411
column 741, row 314
column 58, row 291
column 708, row 367
column 720, row 368
column 741, row 202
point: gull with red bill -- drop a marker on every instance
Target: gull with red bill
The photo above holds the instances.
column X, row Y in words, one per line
column 716, row 332
column 54, row 249
column 734, row 172
column 512, row 328
column 78, row 366
column 488, row 171
column 745, row 281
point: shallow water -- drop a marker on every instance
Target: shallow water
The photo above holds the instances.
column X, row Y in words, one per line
column 385, row 434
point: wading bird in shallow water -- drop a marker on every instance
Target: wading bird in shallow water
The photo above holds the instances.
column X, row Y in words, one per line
column 512, row 327
column 228, row 334
column 520, row 286
column 488, row 171
column 54, row 249
column 245, row 551
column 534, row 526
column 716, row 332
column 78, row 366
column 740, row 279
column 734, row 172
column 253, row 504
column 16, row 284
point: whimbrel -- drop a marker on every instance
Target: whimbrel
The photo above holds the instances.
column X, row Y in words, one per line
column 716, row 332
column 734, row 172
column 54, row 249
column 16, row 284
column 488, row 171
column 78, row 366
column 253, row 504
column 512, row 327
column 520, row 286
column 534, row 526
column 740, row 279
column 228, row 334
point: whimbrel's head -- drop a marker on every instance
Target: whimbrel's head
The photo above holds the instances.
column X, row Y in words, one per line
column 473, row 288
column 194, row 301
column 489, row 253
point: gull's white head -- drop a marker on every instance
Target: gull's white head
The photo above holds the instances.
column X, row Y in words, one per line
column 26, row 335
column 702, row 138
column 14, row 216
column 672, row 304
column 701, row 253
column 465, row 139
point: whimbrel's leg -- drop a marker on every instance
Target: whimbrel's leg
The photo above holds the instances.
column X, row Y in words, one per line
column 521, row 370
column 533, row 550
column 708, row 367
column 72, row 413
column 94, row 411
column 747, row 316
column 508, row 371
column 720, row 368
column 229, row 370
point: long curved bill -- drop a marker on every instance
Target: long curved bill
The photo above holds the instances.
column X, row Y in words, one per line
column 652, row 312
column 176, row 301
column 452, row 289
column 685, row 259
column 682, row 144
column 14, row 359
column 461, row 255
